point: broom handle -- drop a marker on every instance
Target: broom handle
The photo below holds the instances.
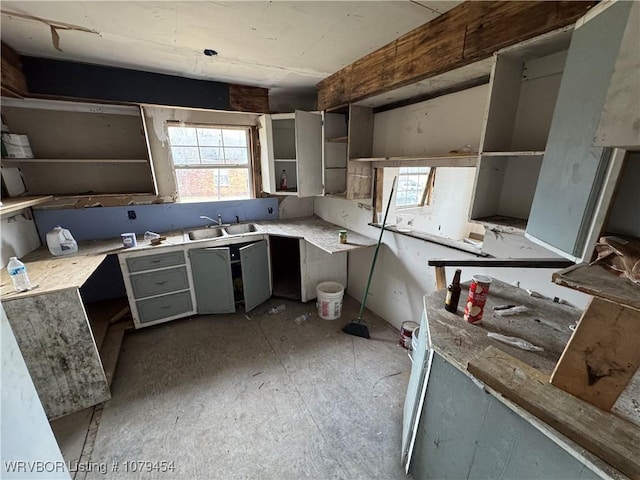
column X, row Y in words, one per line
column 375, row 255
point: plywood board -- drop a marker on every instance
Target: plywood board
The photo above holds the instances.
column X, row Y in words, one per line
column 602, row 354
column 58, row 348
column 597, row 281
column 614, row 440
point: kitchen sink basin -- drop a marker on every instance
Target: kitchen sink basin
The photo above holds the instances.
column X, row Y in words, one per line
column 205, row 233
column 240, row 228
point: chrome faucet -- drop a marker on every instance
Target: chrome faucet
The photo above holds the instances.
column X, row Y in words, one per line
column 204, row 217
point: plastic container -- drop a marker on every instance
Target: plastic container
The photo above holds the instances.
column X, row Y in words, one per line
column 404, row 222
column 329, row 301
column 18, row 273
column 128, row 240
column 61, row 242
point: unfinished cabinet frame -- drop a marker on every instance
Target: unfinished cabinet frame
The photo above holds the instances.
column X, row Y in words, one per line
column 524, row 85
column 80, row 148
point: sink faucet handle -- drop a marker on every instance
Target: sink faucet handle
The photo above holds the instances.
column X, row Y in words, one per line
column 219, row 219
column 237, row 219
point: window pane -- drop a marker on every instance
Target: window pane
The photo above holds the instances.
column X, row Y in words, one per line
column 212, row 155
column 197, row 185
column 185, row 155
column 182, row 136
column 210, row 137
column 237, row 156
column 411, row 184
column 235, row 138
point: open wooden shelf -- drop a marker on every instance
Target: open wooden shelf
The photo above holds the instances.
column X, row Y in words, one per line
column 15, row 204
column 514, row 154
column 599, row 282
column 444, row 160
column 506, row 224
column 343, row 139
column 74, row 160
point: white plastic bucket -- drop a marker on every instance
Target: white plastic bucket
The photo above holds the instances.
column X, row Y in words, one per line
column 329, row 300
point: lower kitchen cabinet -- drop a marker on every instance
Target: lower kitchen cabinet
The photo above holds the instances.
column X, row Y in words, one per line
column 298, row 267
column 226, row 276
column 158, row 285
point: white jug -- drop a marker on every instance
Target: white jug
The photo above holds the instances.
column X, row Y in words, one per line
column 61, row 242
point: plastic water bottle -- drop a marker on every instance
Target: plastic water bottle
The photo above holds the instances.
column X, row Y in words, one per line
column 18, row 273
column 277, row 309
column 302, row 318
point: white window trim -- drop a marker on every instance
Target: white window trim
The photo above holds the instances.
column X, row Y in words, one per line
column 248, row 166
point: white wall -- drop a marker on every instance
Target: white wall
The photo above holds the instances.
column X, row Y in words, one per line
column 402, row 275
column 19, row 236
column 26, row 434
column 435, row 126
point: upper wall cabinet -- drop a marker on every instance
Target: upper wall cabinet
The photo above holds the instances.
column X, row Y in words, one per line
column 80, row 148
column 524, row 85
column 348, row 135
column 291, row 146
column 577, row 178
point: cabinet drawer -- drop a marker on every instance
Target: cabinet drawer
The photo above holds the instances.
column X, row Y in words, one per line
column 159, row 260
column 161, row 281
column 166, row 306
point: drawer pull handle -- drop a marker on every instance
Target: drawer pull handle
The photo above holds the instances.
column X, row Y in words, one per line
column 156, row 261
column 161, row 283
column 166, row 307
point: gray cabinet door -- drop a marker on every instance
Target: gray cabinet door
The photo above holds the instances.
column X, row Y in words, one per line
column 414, row 401
column 212, row 281
column 573, row 170
column 309, row 153
column 256, row 282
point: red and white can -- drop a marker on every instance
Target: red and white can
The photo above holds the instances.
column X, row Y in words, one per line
column 478, row 291
column 406, row 333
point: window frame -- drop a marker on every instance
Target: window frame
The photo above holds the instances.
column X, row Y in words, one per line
column 249, row 166
column 423, row 193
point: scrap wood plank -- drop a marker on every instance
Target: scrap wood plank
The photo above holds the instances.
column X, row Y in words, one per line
column 614, row 440
column 602, row 355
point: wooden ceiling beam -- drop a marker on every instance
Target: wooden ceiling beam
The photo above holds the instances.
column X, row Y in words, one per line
column 463, row 35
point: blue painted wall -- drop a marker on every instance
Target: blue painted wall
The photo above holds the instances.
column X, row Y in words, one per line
column 109, row 222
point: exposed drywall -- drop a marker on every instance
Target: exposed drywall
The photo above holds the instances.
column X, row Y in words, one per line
column 294, row 207
column 435, row 126
column 108, row 222
column 26, row 434
column 19, row 236
column 402, row 276
column 156, row 119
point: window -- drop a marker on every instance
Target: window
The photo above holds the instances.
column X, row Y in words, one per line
column 411, row 185
column 211, row 163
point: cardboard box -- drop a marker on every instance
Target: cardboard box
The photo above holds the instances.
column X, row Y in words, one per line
column 16, row 146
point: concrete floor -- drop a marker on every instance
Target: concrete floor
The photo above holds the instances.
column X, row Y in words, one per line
column 229, row 396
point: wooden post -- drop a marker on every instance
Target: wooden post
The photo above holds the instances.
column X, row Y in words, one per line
column 441, row 278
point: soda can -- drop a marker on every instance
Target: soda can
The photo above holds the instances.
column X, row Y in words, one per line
column 478, row 291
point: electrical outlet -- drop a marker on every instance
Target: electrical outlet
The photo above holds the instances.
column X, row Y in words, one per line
column 131, row 214
column 270, row 210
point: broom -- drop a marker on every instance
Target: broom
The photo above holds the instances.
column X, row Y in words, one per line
column 357, row 327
